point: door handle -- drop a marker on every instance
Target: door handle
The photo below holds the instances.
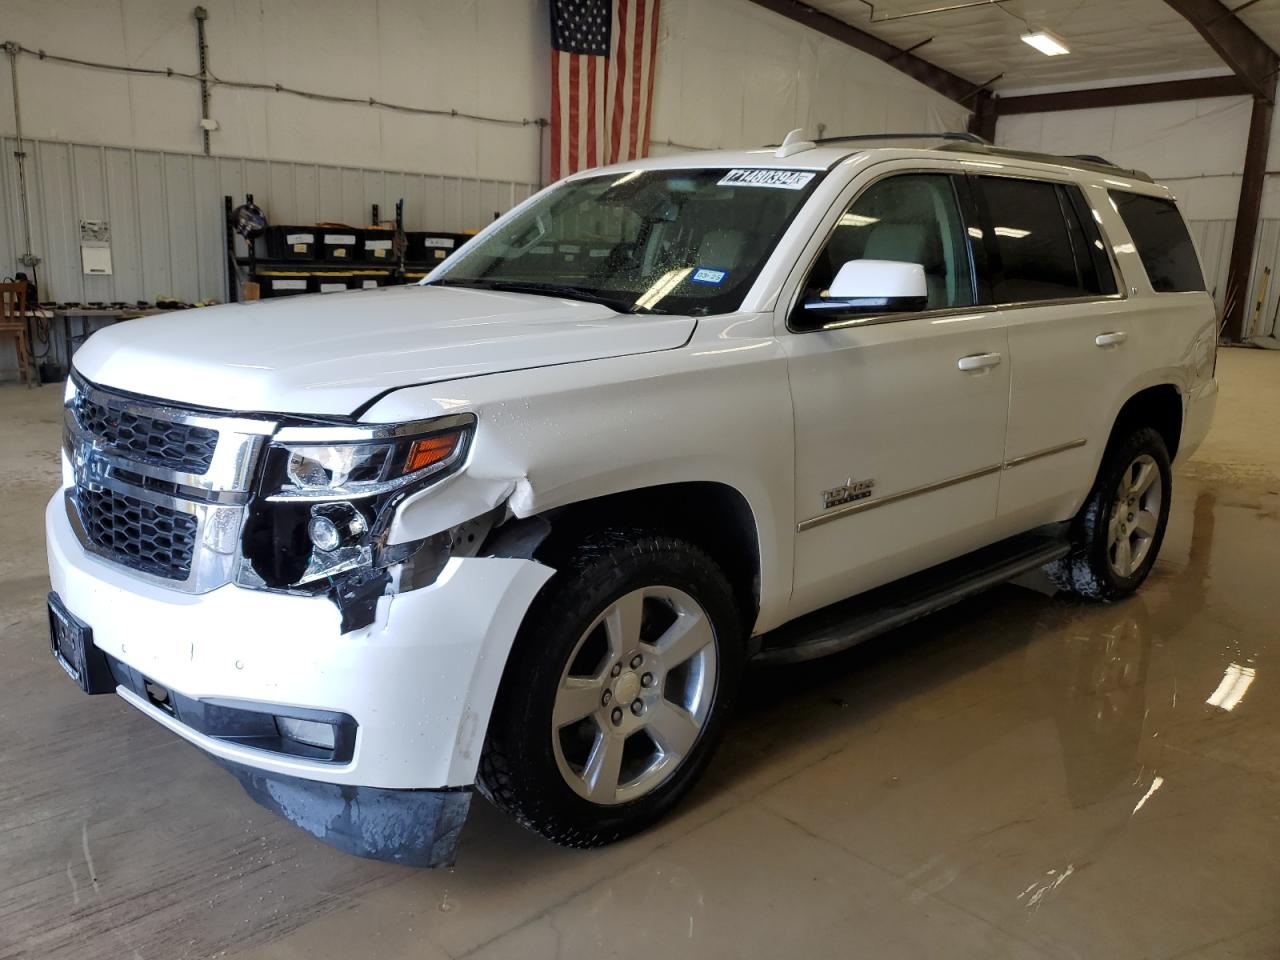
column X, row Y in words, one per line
column 978, row 361
column 1111, row 339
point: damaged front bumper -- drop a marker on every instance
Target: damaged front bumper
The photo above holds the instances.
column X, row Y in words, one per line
column 415, row 828
column 418, row 682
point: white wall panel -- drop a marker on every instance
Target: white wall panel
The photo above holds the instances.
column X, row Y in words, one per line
column 209, row 239
column 165, row 212
column 476, row 56
column 58, row 213
column 126, row 231
column 733, row 74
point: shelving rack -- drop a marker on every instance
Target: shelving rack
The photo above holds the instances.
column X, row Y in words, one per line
column 261, row 267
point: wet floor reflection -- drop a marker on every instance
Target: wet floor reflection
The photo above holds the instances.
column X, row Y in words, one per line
column 1092, row 671
column 1041, row 760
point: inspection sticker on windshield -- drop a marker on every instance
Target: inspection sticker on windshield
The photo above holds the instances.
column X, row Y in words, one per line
column 709, row 276
column 778, row 179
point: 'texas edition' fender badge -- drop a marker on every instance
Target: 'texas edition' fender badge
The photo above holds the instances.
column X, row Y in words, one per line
column 847, row 493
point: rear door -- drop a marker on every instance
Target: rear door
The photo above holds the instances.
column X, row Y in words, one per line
column 1055, row 287
column 899, row 417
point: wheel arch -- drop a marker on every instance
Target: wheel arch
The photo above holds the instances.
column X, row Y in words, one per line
column 1159, row 406
column 713, row 515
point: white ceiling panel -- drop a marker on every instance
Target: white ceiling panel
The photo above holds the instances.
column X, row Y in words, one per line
column 1263, row 19
column 1109, row 39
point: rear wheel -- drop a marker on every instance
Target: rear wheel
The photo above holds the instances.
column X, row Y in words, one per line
column 617, row 689
column 1118, row 532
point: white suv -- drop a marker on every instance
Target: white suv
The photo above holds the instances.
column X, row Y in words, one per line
column 522, row 526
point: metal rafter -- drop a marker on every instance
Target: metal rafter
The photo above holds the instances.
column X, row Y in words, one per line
column 1164, row 91
column 1240, row 48
column 1256, row 64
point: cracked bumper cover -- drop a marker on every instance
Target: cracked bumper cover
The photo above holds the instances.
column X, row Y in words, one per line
column 415, row 828
column 419, row 682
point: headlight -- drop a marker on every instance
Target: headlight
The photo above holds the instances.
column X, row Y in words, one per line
column 327, row 494
column 347, row 469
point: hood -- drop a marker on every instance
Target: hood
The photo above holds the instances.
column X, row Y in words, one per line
column 330, row 353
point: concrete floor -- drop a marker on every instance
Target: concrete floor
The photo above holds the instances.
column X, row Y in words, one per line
column 1017, row 777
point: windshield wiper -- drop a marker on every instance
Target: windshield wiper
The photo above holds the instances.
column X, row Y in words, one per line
column 540, row 287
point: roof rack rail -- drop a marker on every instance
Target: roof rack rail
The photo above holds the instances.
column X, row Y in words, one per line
column 934, row 135
column 972, row 143
column 1088, row 162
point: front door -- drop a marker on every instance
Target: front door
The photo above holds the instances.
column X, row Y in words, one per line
column 899, row 418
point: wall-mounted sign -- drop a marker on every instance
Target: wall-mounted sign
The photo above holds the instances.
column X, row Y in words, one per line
column 95, row 247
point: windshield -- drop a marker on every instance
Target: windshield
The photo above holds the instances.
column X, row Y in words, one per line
column 655, row 241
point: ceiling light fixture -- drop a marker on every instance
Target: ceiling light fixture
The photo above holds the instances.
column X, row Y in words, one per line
column 1048, row 43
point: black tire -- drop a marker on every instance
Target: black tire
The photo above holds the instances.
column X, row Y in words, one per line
column 519, row 769
column 1090, row 569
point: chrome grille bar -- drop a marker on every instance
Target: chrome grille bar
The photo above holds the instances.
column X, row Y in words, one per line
column 127, row 474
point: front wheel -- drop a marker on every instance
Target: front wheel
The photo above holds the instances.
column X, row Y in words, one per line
column 1117, row 534
column 616, row 691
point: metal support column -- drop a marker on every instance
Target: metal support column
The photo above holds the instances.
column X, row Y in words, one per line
column 1247, row 214
column 28, row 258
column 983, row 120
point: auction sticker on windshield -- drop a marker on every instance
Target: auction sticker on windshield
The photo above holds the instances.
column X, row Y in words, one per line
column 778, row 179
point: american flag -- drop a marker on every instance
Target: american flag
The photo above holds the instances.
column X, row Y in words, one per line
column 602, row 64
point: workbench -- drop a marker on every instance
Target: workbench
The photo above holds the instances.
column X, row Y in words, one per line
column 86, row 316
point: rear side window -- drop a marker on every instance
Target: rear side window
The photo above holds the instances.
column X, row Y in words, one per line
column 1086, row 239
column 1163, row 242
column 1039, row 245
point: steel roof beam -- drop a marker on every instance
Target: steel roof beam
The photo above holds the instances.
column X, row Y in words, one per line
column 1240, row 48
column 1164, row 91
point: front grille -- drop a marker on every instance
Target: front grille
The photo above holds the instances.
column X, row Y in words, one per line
column 145, row 536
column 147, row 439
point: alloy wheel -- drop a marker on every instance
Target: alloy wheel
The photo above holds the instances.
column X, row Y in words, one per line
column 635, row 695
column 1135, row 515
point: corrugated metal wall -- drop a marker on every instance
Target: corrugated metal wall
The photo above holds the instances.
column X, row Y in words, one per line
column 1213, row 240
column 165, row 212
column 1267, row 254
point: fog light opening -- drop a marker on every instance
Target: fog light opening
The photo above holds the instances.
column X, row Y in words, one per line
column 335, row 525
column 311, row 732
column 324, row 534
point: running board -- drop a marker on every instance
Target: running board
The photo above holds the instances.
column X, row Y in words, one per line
column 850, row 622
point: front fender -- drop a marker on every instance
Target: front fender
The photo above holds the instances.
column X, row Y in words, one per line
column 718, row 410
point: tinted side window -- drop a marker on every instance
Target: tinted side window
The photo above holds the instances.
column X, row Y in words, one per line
column 1034, row 252
column 1163, row 243
column 912, row 218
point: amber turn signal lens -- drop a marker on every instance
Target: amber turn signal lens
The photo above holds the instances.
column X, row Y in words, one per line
column 431, row 450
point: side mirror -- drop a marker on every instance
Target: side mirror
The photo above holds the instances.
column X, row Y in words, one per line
column 872, row 286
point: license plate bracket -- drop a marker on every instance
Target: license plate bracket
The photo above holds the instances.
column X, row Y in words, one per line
column 71, row 642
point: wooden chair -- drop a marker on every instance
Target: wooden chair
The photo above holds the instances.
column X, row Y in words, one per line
column 13, row 326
